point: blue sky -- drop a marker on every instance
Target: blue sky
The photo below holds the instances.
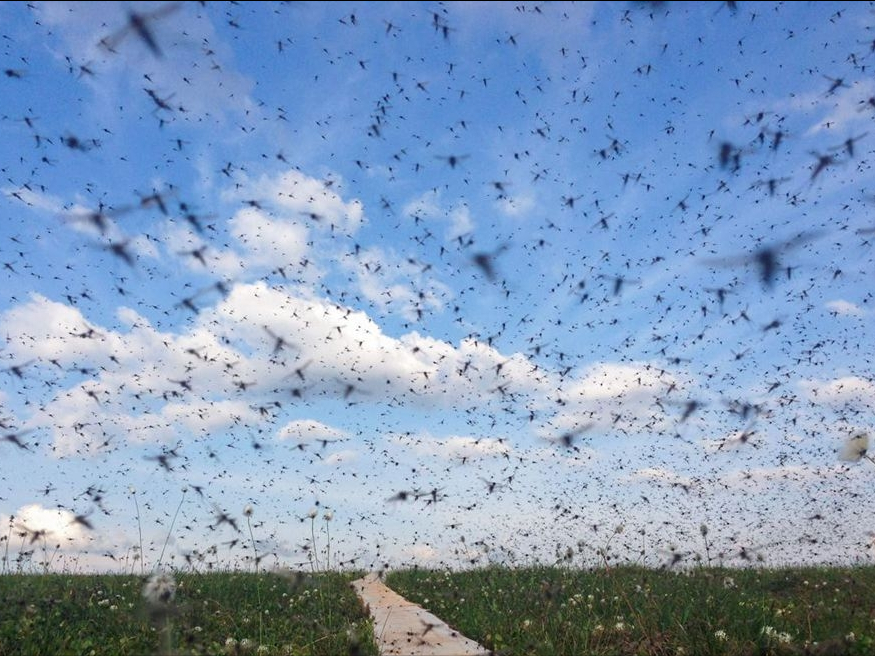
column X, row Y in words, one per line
column 487, row 281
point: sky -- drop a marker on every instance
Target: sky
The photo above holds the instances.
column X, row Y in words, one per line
column 370, row 285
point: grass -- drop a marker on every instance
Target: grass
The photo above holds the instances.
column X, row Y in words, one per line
column 537, row 611
column 210, row 613
column 550, row 611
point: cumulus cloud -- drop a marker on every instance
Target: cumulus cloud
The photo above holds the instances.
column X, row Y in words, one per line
column 844, row 108
column 297, row 197
column 309, row 430
column 458, row 217
column 845, row 308
column 266, row 241
column 839, row 391
column 57, row 525
column 201, row 91
column 453, row 447
column 660, row 475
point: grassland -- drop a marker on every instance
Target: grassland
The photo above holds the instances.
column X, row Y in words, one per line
column 215, row 613
column 537, row 611
column 632, row 610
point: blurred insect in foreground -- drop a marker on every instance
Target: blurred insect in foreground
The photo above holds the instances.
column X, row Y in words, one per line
column 138, row 23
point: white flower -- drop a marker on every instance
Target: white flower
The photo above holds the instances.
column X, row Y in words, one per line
column 246, row 645
column 776, row 636
column 312, row 514
column 247, row 510
column 328, row 516
column 160, row 589
column 720, row 634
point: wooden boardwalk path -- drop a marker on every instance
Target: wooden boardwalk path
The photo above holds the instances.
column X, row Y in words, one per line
column 404, row 629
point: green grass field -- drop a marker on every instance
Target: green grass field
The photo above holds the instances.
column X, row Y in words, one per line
column 215, row 613
column 516, row 612
column 631, row 610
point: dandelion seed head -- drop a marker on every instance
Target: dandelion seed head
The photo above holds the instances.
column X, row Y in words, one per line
column 854, row 448
column 160, row 589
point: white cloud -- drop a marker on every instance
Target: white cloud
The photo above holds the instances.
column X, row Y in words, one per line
column 309, row 430
column 427, row 206
column 341, row 457
column 845, row 112
column 192, row 89
column 58, row 526
column 305, row 200
column 38, row 200
column 454, row 447
column 516, row 206
column 461, row 222
column 845, row 308
column 404, row 288
column 662, row 475
column 268, row 242
column 839, row 391
column 49, row 330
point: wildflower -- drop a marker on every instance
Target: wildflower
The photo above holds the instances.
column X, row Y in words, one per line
column 776, row 636
column 312, row 514
column 720, row 634
column 246, row 646
column 328, row 516
column 263, row 650
column 728, row 582
column 160, row 589
column 230, row 646
column 851, row 637
column 247, row 510
column 703, row 529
